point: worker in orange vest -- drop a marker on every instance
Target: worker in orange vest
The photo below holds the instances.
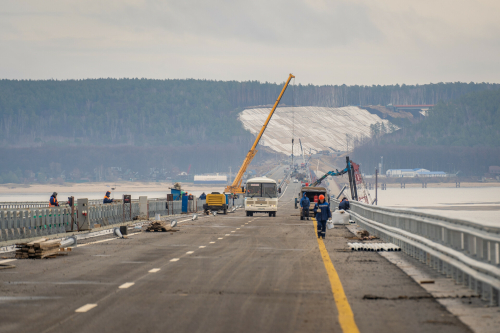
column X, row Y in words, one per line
column 53, row 200
column 107, row 198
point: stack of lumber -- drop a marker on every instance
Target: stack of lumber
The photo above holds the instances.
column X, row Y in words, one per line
column 159, row 226
column 39, row 248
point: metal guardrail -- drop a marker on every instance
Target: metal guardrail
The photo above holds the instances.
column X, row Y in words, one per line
column 28, row 220
column 466, row 251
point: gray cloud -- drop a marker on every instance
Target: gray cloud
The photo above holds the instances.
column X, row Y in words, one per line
column 322, row 42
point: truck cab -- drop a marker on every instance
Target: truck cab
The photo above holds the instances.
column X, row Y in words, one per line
column 311, row 193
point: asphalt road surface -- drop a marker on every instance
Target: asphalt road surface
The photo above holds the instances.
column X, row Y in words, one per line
column 228, row 273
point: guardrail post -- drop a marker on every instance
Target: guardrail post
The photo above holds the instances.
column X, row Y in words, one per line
column 3, row 227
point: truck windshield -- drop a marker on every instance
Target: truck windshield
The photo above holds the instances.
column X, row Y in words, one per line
column 267, row 190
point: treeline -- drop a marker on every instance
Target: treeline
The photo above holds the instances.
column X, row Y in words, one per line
column 472, row 120
column 143, row 112
column 96, row 163
column 459, row 135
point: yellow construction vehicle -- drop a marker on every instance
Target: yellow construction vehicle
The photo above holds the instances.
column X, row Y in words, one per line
column 236, row 186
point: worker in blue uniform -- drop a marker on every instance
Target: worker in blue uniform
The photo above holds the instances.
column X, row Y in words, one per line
column 53, row 200
column 322, row 213
column 344, row 204
column 107, row 198
column 203, row 196
column 305, row 203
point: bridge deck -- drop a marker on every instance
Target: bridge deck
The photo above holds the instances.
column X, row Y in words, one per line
column 245, row 274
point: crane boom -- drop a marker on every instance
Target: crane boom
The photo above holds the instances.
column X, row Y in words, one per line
column 333, row 173
column 302, row 150
column 236, row 186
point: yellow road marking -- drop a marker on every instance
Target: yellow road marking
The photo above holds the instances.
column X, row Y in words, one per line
column 346, row 317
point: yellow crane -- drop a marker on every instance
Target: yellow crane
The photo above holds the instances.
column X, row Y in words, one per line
column 236, row 186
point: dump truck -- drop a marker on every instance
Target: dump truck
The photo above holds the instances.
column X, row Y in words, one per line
column 215, row 202
column 311, row 192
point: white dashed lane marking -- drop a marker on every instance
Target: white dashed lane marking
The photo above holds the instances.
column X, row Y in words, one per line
column 86, row 308
column 202, row 247
column 220, row 238
column 126, row 285
column 228, row 235
column 233, row 231
column 175, row 259
column 189, row 252
column 212, row 242
column 154, row 270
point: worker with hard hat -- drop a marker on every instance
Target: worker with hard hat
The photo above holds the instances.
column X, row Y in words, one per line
column 53, row 200
column 322, row 213
column 344, row 204
column 305, row 203
column 107, row 198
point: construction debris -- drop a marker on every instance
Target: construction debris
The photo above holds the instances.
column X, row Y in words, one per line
column 373, row 247
column 40, row 248
column 365, row 235
column 159, row 226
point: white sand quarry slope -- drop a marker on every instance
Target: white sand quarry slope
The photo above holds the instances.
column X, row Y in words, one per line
column 319, row 128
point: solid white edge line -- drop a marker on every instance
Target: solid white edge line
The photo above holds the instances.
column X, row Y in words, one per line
column 86, row 308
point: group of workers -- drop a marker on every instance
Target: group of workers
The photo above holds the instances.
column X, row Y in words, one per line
column 54, row 203
column 321, row 211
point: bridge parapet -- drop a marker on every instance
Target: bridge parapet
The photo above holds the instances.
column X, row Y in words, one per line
column 25, row 220
column 466, row 251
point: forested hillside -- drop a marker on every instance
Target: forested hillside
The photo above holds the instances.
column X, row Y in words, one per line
column 89, row 129
column 472, row 120
column 171, row 112
column 458, row 135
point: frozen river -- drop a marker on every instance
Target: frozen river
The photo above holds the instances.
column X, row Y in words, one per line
column 478, row 204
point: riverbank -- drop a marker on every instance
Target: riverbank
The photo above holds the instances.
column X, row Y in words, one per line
column 42, row 192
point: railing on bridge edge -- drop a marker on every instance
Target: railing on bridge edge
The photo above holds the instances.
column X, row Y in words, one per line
column 28, row 220
column 466, row 251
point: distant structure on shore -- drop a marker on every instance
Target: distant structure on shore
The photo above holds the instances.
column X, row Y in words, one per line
column 412, row 173
column 210, row 180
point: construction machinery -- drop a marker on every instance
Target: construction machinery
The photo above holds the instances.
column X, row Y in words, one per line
column 215, row 202
column 236, row 186
column 333, row 173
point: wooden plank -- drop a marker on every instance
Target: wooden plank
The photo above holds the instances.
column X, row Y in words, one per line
column 49, row 243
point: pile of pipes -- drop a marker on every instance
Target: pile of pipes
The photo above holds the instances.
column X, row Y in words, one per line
column 373, row 247
column 40, row 248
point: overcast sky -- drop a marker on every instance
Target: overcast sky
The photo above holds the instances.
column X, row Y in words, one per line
column 321, row 42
